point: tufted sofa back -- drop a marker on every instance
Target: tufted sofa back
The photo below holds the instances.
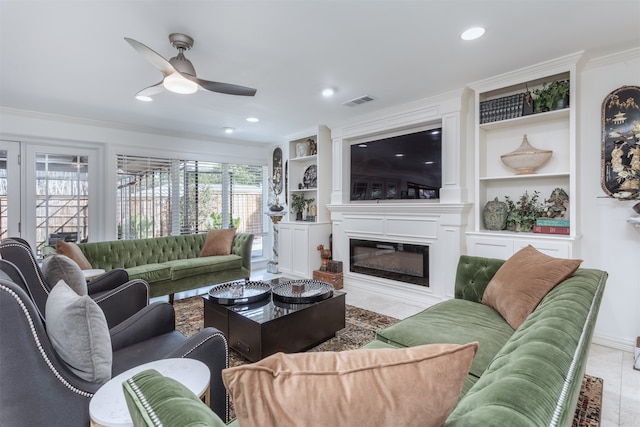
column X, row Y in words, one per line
column 131, row 253
column 473, row 276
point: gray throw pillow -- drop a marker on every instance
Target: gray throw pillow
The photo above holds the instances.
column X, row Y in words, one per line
column 79, row 333
column 61, row 267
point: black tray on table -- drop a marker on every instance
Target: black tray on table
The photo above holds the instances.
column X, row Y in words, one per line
column 314, row 291
column 251, row 292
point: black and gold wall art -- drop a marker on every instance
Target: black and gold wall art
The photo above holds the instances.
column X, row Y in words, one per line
column 620, row 161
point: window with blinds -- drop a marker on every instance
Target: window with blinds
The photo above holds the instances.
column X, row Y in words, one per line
column 160, row 197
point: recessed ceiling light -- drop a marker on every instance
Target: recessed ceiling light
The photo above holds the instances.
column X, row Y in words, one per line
column 472, row 33
column 428, row 163
column 228, row 130
column 144, row 98
column 328, row 91
column 253, row 119
column 399, row 155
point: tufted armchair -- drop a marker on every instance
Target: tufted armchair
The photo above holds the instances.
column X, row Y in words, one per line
column 38, row 388
column 118, row 297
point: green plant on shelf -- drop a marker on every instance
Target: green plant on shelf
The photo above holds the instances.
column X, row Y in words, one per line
column 299, row 204
column 552, row 96
column 522, row 214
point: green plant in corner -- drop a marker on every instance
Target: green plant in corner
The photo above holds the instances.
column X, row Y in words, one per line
column 521, row 215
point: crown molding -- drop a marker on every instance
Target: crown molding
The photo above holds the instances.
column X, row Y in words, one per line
column 622, row 56
column 78, row 121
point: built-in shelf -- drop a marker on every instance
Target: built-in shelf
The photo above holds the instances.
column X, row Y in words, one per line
column 527, row 176
column 527, row 120
column 552, row 130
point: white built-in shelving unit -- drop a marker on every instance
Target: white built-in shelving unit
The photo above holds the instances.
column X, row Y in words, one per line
column 299, row 239
column 553, row 130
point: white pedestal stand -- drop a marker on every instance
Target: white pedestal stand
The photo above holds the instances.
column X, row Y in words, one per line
column 272, row 265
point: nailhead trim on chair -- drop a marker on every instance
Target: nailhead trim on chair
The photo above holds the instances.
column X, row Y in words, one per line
column 39, row 345
column 122, row 288
column 226, row 352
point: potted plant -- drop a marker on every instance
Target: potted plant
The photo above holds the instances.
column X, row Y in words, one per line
column 551, row 96
column 521, row 215
column 298, row 203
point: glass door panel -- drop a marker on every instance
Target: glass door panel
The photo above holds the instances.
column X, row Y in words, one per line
column 62, row 198
column 9, row 189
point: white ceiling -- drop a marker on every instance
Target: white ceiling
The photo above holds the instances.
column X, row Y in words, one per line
column 70, row 57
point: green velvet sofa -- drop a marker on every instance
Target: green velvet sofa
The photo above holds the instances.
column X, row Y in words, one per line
column 172, row 264
column 528, row 377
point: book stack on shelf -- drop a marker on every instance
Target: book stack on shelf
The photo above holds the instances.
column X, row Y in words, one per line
column 552, row 226
column 507, row 107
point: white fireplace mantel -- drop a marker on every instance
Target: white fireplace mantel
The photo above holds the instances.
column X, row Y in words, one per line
column 437, row 225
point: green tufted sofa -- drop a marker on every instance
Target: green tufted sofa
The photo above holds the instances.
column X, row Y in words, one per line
column 528, row 377
column 172, row 264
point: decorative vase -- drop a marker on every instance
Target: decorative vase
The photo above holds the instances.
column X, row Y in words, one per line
column 526, row 158
column 495, row 215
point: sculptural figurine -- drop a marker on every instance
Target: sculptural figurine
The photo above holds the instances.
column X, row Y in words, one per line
column 325, row 255
column 557, row 204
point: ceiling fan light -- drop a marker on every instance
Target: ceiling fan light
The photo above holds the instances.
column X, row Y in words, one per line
column 178, row 84
column 144, row 98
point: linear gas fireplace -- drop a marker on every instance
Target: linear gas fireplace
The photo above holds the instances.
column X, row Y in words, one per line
column 396, row 261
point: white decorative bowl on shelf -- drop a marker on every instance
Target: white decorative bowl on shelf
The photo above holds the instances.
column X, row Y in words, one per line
column 526, row 158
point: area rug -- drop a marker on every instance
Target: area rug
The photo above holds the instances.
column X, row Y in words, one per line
column 361, row 326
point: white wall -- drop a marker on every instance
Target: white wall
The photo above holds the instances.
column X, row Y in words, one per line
column 609, row 242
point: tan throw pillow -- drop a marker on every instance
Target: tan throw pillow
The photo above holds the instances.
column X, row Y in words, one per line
column 218, row 242
column 523, row 281
column 414, row 386
column 72, row 250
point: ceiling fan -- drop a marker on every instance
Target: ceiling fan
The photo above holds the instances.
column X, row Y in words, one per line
column 178, row 73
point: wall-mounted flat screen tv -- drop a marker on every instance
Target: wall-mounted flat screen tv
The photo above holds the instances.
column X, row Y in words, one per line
column 400, row 167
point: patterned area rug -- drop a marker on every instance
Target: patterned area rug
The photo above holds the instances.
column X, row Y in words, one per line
column 361, row 326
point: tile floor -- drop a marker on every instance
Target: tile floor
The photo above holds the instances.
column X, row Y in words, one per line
column 621, row 394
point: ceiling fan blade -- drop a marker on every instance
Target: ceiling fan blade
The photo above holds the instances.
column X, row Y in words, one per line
column 152, row 90
column 152, row 56
column 226, row 88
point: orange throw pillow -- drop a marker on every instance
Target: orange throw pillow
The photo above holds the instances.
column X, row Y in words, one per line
column 218, row 242
column 413, row 386
column 523, row 281
column 72, row 250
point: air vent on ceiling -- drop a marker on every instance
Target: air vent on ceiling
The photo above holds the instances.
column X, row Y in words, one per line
column 358, row 101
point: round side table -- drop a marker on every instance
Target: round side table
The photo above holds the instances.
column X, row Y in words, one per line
column 108, row 406
column 92, row 273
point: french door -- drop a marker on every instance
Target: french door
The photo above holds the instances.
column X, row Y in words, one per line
column 10, row 189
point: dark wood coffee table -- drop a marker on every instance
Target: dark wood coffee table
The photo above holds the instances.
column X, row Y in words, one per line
column 265, row 327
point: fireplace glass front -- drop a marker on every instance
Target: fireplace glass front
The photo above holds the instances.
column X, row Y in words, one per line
column 396, row 261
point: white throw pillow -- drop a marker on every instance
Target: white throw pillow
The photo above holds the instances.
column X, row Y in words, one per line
column 79, row 333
